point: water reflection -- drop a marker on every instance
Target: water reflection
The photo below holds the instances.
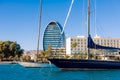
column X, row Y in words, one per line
column 57, row 74
column 17, row 72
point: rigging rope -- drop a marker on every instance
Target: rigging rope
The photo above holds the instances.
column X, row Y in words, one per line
column 67, row 16
column 65, row 23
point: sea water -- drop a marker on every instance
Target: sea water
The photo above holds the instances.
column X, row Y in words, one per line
column 17, row 72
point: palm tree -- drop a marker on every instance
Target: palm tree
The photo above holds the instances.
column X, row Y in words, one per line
column 92, row 56
column 61, row 50
column 49, row 50
column 74, row 44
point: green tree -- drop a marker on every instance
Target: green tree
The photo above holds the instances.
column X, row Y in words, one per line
column 1, row 56
column 42, row 54
column 84, row 56
column 92, row 56
column 61, row 50
column 66, row 56
column 48, row 52
column 10, row 49
column 5, row 49
column 50, row 48
column 74, row 44
column 78, row 56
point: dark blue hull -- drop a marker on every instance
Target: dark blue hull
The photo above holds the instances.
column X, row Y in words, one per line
column 84, row 64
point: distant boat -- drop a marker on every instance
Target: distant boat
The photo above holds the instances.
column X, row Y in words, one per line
column 37, row 64
column 75, row 64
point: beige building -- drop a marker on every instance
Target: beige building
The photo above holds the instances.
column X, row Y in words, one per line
column 61, row 50
column 82, row 44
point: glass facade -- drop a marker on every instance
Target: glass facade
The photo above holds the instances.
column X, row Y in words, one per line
column 52, row 36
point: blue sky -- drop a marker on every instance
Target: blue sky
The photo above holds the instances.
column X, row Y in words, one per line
column 19, row 19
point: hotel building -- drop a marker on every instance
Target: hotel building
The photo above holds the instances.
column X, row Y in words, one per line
column 82, row 44
column 52, row 36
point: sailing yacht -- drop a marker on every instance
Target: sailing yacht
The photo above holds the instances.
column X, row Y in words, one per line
column 75, row 64
column 37, row 64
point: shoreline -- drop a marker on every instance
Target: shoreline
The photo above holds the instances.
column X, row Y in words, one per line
column 7, row 62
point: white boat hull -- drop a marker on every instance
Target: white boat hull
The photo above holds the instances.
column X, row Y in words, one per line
column 36, row 64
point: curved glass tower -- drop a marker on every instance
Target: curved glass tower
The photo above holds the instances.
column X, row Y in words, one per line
column 52, row 36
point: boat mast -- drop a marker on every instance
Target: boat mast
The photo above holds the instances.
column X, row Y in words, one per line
column 39, row 25
column 88, row 27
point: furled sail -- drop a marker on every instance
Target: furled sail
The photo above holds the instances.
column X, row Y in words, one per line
column 92, row 45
